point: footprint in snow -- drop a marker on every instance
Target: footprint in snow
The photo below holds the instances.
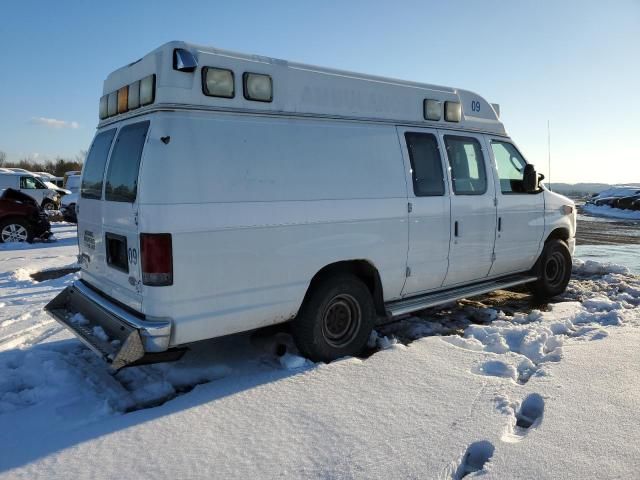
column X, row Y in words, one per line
column 528, row 416
column 531, row 411
column 474, row 459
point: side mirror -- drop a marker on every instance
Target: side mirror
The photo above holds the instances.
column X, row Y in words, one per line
column 530, row 179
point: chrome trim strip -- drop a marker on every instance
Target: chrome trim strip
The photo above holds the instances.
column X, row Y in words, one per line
column 413, row 304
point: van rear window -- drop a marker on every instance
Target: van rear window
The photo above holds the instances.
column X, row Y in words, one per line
column 122, row 174
column 94, row 168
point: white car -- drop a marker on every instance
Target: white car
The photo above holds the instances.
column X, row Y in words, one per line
column 225, row 192
column 47, row 198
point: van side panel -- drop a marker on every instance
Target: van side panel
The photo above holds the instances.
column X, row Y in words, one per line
column 257, row 206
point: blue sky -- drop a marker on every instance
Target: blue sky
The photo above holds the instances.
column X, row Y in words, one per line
column 575, row 63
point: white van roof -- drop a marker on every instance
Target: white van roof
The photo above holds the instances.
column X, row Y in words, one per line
column 298, row 89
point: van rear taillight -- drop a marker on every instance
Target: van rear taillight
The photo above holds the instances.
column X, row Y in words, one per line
column 156, row 254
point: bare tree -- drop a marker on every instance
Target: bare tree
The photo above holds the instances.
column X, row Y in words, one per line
column 3, row 157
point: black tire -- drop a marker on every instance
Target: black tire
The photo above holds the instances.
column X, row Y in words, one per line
column 335, row 320
column 19, row 227
column 553, row 270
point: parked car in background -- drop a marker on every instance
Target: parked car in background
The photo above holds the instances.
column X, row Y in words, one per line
column 46, row 180
column 72, row 183
column 21, row 218
column 58, row 181
column 68, row 207
column 68, row 202
column 605, row 201
column 31, row 185
column 626, row 202
column 71, row 173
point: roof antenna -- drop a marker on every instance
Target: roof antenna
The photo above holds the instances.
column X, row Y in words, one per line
column 549, row 152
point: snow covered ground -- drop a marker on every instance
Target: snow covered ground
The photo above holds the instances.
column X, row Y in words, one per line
column 492, row 387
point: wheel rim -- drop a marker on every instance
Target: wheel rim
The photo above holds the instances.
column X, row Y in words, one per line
column 14, row 232
column 341, row 320
column 555, row 269
column 49, row 206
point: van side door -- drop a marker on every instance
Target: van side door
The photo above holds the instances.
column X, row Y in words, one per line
column 520, row 214
column 429, row 210
column 473, row 209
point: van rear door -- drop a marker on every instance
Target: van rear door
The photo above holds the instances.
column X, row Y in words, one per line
column 107, row 214
column 120, row 215
column 89, row 207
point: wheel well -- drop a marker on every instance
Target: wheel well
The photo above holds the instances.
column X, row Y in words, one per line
column 559, row 233
column 362, row 269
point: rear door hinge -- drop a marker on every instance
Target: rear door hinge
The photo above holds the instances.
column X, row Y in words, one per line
column 493, row 257
column 135, row 218
column 409, row 207
column 495, row 201
column 408, row 272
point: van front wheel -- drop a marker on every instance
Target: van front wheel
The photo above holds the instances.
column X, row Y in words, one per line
column 553, row 270
column 335, row 320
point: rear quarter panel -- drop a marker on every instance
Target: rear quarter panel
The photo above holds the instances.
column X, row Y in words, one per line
column 257, row 206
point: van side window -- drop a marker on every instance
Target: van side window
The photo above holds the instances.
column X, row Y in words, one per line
column 94, row 166
column 467, row 165
column 122, row 174
column 28, row 183
column 426, row 164
column 510, row 167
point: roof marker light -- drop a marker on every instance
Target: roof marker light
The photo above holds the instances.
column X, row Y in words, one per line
column 134, row 95
column 123, row 99
column 452, row 111
column 147, row 90
column 103, row 111
column 257, row 87
column 112, row 104
column 217, row 82
column 432, row 110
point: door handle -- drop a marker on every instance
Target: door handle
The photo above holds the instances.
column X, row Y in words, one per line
column 499, row 224
column 455, row 229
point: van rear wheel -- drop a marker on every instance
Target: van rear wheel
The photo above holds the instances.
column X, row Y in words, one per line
column 335, row 320
column 553, row 270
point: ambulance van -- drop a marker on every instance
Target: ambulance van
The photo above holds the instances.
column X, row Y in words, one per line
column 225, row 192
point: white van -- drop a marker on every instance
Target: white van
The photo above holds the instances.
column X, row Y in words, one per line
column 47, row 198
column 225, row 192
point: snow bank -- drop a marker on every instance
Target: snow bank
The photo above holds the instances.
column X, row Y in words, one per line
column 610, row 212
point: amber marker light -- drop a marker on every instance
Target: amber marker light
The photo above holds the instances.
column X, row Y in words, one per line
column 123, row 99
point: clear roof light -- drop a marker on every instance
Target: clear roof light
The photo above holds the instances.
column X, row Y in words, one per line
column 452, row 111
column 258, row 87
column 147, row 90
column 134, row 95
column 112, row 104
column 217, row 82
column 103, row 111
column 432, row 110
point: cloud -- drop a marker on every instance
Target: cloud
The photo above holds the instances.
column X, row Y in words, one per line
column 54, row 123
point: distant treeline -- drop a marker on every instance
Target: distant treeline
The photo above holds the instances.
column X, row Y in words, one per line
column 57, row 167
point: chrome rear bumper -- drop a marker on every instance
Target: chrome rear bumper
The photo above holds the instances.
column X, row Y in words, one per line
column 118, row 336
